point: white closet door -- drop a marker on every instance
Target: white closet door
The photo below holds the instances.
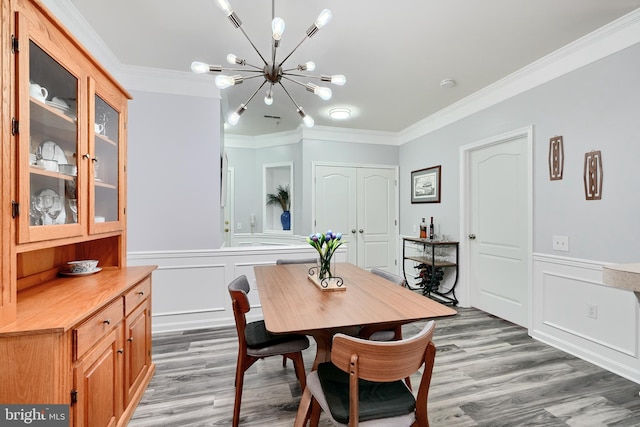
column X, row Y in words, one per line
column 359, row 203
column 376, row 218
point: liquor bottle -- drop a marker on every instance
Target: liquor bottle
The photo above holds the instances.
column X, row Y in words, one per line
column 423, row 229
column 431, row 230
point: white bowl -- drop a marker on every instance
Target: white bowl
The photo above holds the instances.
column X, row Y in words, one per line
column 83, row 266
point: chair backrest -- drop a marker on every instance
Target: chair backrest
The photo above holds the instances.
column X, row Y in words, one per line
column 238, row 289
column 386, row 361
column 382, row 361
column 389, row 276
column 297, row 261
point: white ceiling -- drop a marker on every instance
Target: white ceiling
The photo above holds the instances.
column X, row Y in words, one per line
column 394, row 54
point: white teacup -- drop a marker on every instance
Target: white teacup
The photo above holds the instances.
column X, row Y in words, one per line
column 99, row 128
column 39, row 92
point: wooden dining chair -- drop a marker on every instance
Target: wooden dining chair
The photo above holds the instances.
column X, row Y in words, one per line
column 255, row 342
column 362, row 385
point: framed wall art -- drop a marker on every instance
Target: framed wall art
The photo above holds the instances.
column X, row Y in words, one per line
column 425, row 185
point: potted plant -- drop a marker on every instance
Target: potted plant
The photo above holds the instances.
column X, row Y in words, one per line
column 281, row 197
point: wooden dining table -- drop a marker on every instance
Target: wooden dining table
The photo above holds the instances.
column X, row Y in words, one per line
column 292, row 303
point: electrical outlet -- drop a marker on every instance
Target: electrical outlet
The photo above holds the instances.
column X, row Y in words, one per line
column 592, row 311
column 561, row 243
column 239, row 226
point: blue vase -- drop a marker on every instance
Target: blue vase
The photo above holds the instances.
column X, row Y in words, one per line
column 285, row 219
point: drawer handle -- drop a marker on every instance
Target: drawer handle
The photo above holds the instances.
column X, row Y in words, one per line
column 130, row 339
column 120, row 351
column 107, row 322
column 141, row 293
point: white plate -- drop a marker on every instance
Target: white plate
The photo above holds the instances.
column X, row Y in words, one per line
column 58, row 153
column 86, row 273
column 63, row 215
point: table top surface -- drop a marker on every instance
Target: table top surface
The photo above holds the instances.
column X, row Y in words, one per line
column 292, row 303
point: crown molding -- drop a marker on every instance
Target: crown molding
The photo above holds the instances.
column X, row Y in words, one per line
column 72, row 19
column 607, row 40
column 171, row 82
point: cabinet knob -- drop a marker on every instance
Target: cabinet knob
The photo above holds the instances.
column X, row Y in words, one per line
column 86, row 156
column 141, row 293
column 121, row 350
column 361, row 230
column 130, row 339
column 472, row 236
column 107, row 322
column 353, row 230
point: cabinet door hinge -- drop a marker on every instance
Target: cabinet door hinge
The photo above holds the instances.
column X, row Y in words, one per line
column 15, row 45
column 15, row 209
column 15, row 126
column 74, row 396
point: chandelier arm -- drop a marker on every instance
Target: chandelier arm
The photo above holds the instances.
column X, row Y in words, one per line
column 285, row 73
column 253, row 45
column 243, row 70
column 294, row 49
column 254, row 94
column 294, row 81
column 289, row 95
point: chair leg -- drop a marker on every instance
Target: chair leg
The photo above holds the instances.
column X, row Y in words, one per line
column 304, row 409
column 284, row 361
column 315, row 413
column 238, row 398
column 298, row 365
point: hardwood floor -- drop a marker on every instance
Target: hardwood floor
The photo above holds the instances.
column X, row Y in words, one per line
column 488, row 372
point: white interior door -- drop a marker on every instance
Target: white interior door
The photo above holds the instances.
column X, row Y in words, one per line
column 499, row 228
column 359, row 203
column 376, row 218
column 335, row 204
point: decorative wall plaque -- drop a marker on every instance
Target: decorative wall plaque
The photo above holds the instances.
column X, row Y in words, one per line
column 593, row 175
column 556, row 158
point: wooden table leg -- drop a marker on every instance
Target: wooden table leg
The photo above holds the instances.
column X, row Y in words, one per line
column 323, row 343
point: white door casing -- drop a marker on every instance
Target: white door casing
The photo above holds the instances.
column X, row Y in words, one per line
column 360, row 202
column 496, row 235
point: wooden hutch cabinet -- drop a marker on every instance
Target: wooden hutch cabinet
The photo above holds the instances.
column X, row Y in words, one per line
column 84, row 339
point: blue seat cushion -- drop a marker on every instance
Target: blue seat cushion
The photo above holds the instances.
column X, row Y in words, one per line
column 377, row 400
column 257, row 336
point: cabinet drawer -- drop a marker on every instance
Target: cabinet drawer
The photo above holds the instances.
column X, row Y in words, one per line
column 138, row 294
column 98, row 325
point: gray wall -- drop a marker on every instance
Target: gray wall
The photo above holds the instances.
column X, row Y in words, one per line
column 594, row 108
column 173, row 172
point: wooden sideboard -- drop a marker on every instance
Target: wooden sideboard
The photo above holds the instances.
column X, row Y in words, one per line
column 83, row 341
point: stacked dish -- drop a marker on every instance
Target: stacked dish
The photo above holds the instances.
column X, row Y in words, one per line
column 82, row 268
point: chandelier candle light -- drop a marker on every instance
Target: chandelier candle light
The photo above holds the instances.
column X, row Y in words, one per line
column 322, row 274
column 272, row 72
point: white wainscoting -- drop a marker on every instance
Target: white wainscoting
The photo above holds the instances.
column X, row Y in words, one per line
column 563, row 291
column 190, row 287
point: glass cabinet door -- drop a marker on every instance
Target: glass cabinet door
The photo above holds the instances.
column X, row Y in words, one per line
column 105, row 156
column 48, row 147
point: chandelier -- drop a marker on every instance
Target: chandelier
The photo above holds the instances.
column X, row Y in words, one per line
column 272, row 72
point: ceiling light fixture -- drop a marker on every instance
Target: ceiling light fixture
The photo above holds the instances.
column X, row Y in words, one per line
column 340, row 113
column 272, row 72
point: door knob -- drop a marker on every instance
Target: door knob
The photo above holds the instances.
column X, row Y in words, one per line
column 361, row 230
column 472, row 236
